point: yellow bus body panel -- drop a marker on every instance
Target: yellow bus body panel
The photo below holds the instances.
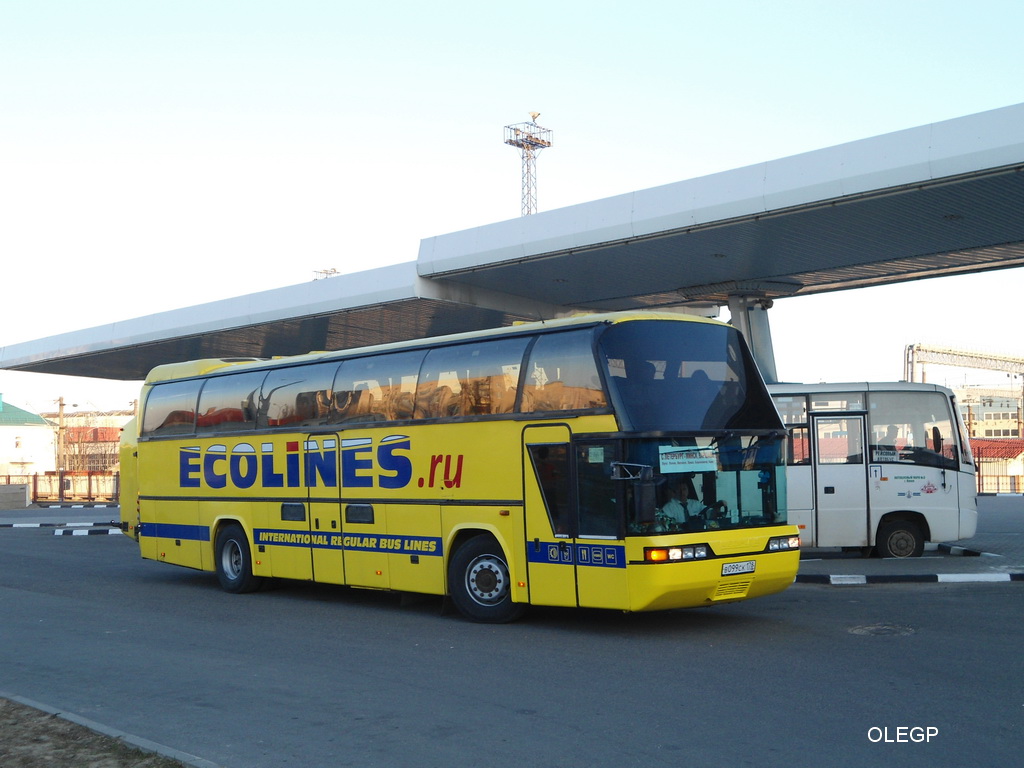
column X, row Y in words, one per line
column 692, row 583
column 418, row 565
column 415, row 527
column 384, row 506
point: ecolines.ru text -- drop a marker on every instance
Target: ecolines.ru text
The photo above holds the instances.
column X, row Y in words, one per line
column 311, row 463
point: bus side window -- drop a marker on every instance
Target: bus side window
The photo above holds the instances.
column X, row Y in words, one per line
column 915, row 428
column 551, row 465
column 170, row 409
column 297, row 396
column 376, row 388
column 470, row 379
column 229, row 402
column 561, row 374
column 799, row 446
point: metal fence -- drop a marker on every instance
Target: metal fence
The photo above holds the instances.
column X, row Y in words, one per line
column 68, row 486
column 998, row 467
column 990, row 482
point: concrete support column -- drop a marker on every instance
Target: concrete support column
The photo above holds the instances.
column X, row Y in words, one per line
column 750, row 316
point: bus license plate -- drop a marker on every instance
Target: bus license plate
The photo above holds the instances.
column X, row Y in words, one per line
column 731, row 569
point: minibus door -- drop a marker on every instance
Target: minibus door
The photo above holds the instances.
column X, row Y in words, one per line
column 547, row 498
column 841, row 497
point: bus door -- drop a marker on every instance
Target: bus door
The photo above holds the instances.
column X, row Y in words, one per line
column 841, row 499
column 293, row 527
column 322, row 472
column 364, row 532
column 547, row 499
column 600, row 552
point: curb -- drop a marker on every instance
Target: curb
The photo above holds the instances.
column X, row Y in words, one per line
column 77, row 505
column 139, row 743
column 65, row 526
column 849, row 580
column 962, row 551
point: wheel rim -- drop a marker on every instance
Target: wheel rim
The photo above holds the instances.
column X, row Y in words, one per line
column 487, row 580
column 901, row 543
column 231, row 559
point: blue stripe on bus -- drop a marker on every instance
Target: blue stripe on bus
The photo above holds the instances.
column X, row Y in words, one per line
column 584, row 555
column 389, row 543
column 174, row 531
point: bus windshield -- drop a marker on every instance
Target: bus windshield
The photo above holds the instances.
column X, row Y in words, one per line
column 674, row 485
column 684, row 377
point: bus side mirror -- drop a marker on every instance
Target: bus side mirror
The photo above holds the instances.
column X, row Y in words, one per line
column 644, row 501
column 936, row 440
column 641, row 476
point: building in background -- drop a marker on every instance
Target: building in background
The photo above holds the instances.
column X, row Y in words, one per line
column 79, row 441
column 27, row 442
column 87, row 441
column 991, row 412
column 994, row 417
column 61, row 456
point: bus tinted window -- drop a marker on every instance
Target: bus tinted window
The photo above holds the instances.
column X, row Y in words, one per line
column 377, row 388
column 171, row 408
column 685, row 376
column 914, row 428
column 470, row 379
column 551, row 464
column 597, row 492
column 562, row 375
column 297, row 396
column 229, row 402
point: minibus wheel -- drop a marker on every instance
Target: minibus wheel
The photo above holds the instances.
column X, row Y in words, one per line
column 480, row 584
column 234, row 561
column 899, row 538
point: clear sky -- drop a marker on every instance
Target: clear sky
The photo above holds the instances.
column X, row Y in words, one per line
column 155, row 155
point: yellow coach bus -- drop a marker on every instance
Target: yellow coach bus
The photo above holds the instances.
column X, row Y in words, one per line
column 630, row 461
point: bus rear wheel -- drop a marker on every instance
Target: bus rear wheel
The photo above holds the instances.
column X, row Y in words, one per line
column 234, row 561
column 899, row 538
column 480, row 583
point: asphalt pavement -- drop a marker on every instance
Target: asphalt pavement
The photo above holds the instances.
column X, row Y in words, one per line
column 995, row 553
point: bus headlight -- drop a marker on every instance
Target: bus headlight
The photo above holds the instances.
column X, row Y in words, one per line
column 674, row 554
column 783, row 543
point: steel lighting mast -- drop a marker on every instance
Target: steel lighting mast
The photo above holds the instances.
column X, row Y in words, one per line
column 529, row 139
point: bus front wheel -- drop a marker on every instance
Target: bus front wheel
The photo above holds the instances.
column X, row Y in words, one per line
column 234, row 561
column 899, row 538
column 480, row 584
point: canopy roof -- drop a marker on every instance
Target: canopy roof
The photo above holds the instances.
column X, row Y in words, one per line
column 935, row 200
